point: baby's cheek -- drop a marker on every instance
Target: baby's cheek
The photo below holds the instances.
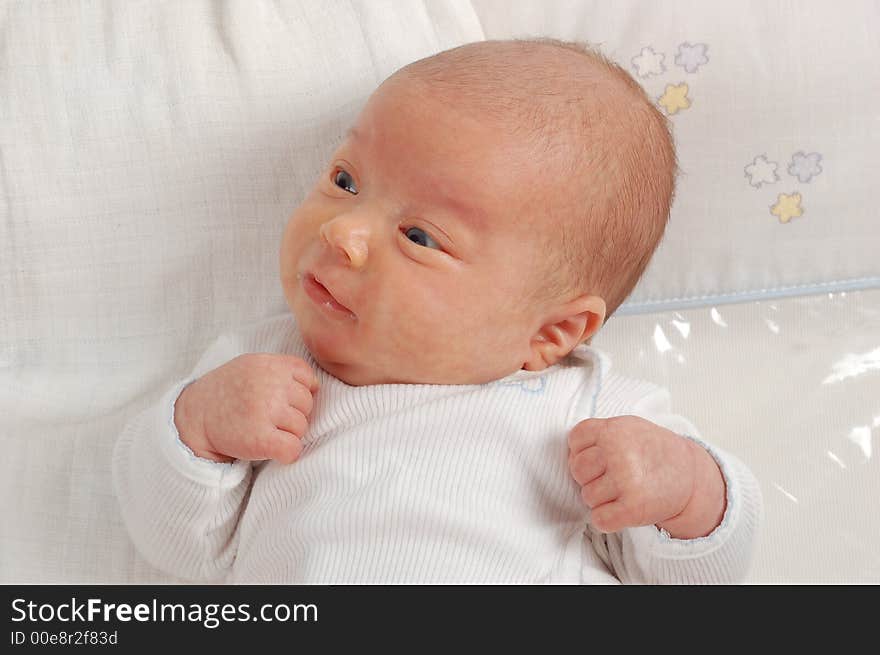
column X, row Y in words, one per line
column 420, row 333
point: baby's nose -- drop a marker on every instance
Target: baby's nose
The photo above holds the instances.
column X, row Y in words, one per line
column 349, row 238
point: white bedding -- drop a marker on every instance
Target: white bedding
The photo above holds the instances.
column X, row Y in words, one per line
column 151, row 153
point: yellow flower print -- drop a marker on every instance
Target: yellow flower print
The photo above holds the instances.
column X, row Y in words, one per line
column 675, row 98
column 787, row 207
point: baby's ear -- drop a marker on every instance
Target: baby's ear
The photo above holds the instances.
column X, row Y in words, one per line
column 563, row 330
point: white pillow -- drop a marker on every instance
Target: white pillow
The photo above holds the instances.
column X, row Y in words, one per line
column 781, row 115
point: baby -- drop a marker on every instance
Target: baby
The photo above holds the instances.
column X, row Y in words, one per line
column 432, row 411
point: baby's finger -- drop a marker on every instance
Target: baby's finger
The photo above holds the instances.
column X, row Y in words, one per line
column 300, row 397
column 587, row 465
column 301, row 371
column 584, row 434
column 291, row 420
column 283, row 446
column 600, row 491
column 610, row 517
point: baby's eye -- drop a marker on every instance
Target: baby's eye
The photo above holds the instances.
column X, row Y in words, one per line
column 419, row 236
column 344, row 180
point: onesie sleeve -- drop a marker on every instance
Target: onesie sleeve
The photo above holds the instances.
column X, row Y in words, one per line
column 180, row 510
column 648, row 555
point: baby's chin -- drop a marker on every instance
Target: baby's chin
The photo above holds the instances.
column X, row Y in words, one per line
column 356, row 374
column 352, row 375
column 327, row 357
column 363, row 374
column 340, row 356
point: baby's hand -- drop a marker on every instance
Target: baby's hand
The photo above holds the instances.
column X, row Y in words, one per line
column 633, row 472
column 254, row 407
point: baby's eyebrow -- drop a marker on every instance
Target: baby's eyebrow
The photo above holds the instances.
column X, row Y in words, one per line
column 462, row 209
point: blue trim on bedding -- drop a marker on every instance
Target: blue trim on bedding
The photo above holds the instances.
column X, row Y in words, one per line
column 691, row 302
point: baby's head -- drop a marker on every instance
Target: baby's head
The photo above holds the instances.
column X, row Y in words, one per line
column 492, row 205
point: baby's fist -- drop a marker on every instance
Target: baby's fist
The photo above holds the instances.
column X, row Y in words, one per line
column 632, row 472
column 254, row 407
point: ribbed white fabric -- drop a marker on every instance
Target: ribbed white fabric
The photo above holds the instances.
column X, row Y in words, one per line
column 412, row 483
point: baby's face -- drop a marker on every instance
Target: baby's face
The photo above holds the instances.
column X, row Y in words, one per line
column 420, row 230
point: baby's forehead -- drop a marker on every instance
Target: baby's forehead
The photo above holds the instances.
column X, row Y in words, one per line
column 546, row 129
column 445, row 151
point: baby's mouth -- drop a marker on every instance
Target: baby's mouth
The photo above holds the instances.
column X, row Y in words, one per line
column 323, row 296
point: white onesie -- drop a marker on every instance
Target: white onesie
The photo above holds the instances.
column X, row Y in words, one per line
column 414, row 483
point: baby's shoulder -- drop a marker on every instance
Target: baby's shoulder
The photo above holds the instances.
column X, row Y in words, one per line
column 611, row 393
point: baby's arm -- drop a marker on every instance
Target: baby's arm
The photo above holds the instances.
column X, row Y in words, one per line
column 182, row 476
column 180, row 511
column 665, row 508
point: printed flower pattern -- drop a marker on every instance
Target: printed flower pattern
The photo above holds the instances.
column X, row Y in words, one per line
column 805, row 167
column 691, row 56
column 675, row 98
column 761, row 171
column 648, row 62
column 787, row 207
